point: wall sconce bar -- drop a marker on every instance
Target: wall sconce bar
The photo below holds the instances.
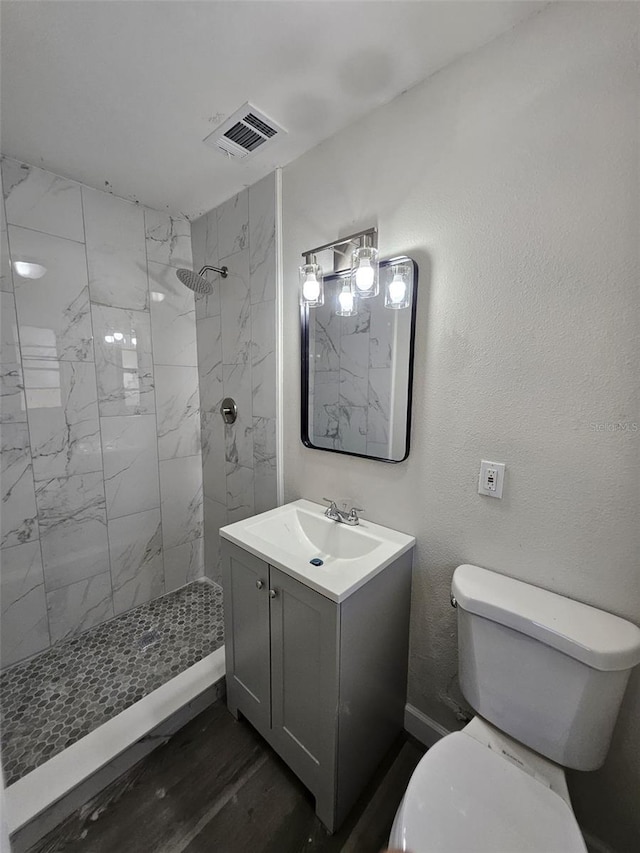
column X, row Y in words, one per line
column 368, row 237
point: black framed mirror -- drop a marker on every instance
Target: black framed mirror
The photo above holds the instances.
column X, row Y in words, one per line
column 357, row 371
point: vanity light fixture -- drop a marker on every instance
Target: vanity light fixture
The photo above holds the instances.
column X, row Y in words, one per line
column 397, row 293
column 363, row 273
column 346, row 301
column 361, row 280
column 311, row 282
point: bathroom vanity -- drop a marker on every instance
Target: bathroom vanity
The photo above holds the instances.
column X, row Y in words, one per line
column 316, row 655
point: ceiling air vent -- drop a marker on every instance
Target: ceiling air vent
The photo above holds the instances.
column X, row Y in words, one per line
column 245, row 133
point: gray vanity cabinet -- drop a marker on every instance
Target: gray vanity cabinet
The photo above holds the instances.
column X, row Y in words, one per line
column 323, row 682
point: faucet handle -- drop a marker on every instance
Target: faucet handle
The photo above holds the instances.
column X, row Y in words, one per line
column 331, row 511
column 353, row 514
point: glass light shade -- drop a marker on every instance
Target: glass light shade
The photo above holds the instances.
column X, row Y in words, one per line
column 346, row 301
column 397, row 291
column 364, row 272
column 311, row 285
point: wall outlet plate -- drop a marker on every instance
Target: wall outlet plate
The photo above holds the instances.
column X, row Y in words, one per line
column 491, row 479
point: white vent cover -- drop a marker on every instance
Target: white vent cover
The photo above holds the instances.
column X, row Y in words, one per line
column 245, row 133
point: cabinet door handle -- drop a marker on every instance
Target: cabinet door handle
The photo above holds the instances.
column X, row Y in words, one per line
column 259, row 584
column 273, row 593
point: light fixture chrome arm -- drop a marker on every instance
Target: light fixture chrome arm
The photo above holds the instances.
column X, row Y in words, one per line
column 360, row 237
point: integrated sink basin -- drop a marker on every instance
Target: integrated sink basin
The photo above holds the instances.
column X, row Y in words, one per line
column 290, row 537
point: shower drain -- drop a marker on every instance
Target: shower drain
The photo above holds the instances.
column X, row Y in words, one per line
column 149, row 638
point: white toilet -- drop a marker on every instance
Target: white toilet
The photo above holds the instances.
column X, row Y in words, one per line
column 546, row 675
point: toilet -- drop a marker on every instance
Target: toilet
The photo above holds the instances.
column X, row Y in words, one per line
column 546, row 676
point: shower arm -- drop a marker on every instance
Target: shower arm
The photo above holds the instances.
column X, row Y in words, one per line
column 222, row 271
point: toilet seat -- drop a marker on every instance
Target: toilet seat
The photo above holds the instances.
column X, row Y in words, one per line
column 465, row 798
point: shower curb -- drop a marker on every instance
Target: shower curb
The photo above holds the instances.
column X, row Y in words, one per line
column 44, row 797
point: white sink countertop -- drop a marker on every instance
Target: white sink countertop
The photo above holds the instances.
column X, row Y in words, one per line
column 289, row 536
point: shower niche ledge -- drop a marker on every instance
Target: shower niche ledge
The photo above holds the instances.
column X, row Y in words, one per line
column 316, row 655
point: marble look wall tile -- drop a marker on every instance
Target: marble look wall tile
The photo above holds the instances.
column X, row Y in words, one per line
column 240, row 497
column 79, row 606
column 73, row 528
column 181, row 491
column 19, row 522
column 210, row 363
column 354, row 369
column 124, row 361
column 209, row 305
column 183, row 564
column 235, row 305
column 130, row 454
column 215, row 517
column 41, row 200
column 168, row 239
column 381, row 336
column 263, row 359
column 262, row 239
column 352, row 427
column 324, row 415
column 326, row 425
column 213, row 457
column 24, row 628
column 178, row 403
column 239, row 436
column 204, row 240
column 173, row 318
column 324, row 346
column 379, row 414
column 264, row 466
column 137, row 567
column 6, row 281
column 53, row 311
column 378, row 449
column 62, row 404
column 116, row 253
column 12, row 400
column 233, row 225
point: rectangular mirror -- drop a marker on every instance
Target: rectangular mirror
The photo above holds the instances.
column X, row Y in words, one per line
column 357, row 370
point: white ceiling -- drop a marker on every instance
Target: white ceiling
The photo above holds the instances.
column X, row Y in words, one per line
column 119, row 94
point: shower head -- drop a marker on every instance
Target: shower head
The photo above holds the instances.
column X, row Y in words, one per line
column 196, row 281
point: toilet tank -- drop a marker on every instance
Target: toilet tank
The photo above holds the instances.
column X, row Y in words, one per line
column 547, row 670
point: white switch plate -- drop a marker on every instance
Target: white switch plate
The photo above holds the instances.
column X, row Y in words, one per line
column 491, row 478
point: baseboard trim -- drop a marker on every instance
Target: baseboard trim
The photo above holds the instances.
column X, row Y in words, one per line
column 422, row 727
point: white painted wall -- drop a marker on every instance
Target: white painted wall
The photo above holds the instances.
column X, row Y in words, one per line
column 512, row 178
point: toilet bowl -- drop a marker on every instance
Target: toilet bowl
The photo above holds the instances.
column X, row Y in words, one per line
column 546, row 676
column 465, row 796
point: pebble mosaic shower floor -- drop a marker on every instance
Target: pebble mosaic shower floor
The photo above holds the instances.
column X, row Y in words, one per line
column 58, row 697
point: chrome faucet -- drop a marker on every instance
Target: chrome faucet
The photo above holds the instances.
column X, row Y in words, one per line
column 344, row 517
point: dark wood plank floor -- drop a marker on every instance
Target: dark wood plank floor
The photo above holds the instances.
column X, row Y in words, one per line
column 217, row 787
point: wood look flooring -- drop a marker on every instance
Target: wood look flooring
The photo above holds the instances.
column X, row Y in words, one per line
column 217, row 787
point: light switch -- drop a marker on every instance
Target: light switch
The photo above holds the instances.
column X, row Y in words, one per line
column 491, row 478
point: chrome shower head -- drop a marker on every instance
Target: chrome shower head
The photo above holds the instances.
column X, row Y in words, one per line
column 196, row 281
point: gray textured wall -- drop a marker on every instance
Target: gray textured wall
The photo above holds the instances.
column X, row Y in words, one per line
column 512, row 177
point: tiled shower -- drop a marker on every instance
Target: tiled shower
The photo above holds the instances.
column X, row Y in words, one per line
column 102, row 483
column 117, row 468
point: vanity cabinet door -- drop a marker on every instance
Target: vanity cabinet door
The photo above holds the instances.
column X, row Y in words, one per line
column 304, row 684
column 246, row 604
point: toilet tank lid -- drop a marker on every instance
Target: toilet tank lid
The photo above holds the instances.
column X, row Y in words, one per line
column 598, row 639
